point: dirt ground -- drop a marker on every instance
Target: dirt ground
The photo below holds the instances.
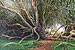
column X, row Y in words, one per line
column 44, row 45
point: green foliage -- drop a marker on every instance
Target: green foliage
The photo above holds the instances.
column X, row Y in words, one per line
column 3, row 14
column 63, row 46
column 22, row 46
column 61, row 10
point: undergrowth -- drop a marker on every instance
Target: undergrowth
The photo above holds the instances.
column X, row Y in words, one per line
column 27, row 42
column 22, row 46
column 63, row 46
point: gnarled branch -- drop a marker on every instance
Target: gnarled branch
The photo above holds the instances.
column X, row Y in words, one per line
column 17, row 14
column 27, row 12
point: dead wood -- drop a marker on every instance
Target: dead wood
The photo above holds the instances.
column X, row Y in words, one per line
column 10, row 43
column 64, row 43
column 67, row 38
column 57, row 30
column 19, row 41
column 10, row 37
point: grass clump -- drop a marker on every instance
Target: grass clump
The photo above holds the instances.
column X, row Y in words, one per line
column 63, row 46
column 22, row 46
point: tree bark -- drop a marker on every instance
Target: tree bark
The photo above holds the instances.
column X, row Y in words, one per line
column 17, row 14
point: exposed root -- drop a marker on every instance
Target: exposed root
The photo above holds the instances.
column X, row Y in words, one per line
column 19, row 41
column 10, row 43
column 26, row 36
column 37, row 38
column 37, row 34
column 34, row 29
column 64, row 43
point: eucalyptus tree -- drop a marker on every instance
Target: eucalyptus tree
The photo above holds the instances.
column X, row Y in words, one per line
column 30, row 19
column 37, row 14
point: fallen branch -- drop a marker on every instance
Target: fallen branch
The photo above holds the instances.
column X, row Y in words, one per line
column 66, row 37
column 9, row 36
column 10, row 43
column 57, row 30
column 19, row 41
column 64, row 43
column 60, row 35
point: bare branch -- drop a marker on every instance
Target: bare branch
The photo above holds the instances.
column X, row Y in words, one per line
column 9, row 36
column 27, row 12
column 26, row 37
column 64, row 43
column 17, row 24
column 36, row 11
column 66, row 37
column 17, row 14
column 10, row 44
column 25, row 20
column 57, row 30
column 20, row 40
column 60, row 35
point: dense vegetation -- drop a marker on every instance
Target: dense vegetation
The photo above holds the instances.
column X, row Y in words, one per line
column 20, row 19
